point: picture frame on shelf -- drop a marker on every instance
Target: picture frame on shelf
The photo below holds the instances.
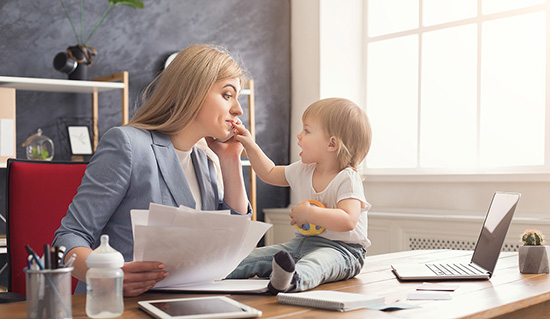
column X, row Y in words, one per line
column 80, row 141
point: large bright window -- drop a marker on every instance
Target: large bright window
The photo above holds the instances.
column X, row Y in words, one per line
column 457, row 86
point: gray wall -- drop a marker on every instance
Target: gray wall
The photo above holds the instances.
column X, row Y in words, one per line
column 138, row 41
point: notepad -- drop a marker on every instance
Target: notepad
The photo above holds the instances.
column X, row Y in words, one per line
column 327, row 299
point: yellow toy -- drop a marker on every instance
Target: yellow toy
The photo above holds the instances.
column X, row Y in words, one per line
column 310, row 229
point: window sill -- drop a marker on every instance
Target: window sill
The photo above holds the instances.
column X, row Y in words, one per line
column 467, row 177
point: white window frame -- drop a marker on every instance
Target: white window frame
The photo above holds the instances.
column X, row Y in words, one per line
column 519, row 174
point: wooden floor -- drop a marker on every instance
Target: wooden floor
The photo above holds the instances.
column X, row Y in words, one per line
column 508, row 294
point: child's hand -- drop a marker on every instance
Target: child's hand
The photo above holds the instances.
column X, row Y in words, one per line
column 298, row 214
column 243, row 136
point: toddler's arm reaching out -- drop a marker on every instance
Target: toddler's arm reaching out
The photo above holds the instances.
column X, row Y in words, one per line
column 266, row 170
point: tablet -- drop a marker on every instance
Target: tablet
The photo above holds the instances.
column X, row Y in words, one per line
column 201, row 307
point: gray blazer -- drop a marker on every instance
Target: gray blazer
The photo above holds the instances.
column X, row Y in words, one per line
column 130, row 169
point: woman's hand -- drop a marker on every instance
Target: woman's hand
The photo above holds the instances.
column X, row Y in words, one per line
column 140, row 276
column 230, row 148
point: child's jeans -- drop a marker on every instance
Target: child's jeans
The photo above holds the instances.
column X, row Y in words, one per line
column 318, row 260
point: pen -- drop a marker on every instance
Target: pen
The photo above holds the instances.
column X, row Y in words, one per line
column 70, row 261
column 53, row 257
column 47, row 259
column 34, row 256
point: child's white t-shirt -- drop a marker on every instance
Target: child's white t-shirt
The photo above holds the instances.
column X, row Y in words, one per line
column 347, row 184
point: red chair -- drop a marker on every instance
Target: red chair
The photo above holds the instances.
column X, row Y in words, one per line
column 38, row 196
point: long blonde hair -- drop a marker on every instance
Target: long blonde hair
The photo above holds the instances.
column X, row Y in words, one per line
column 175, row 96
column 344, row 120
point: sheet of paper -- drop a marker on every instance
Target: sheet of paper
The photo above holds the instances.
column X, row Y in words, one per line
column 166, row 215
column 163, row 215
column 138, row 217
column 207, row 220
column 429, row 296
column 219, row 212
column 189, row 255
column 195, row 246
column 228, row 285
column 437, row 287
column 256, row 230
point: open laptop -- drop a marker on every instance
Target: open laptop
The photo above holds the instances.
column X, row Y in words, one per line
column 485, row 255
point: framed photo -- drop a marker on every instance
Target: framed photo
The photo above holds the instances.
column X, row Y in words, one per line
column 79, row 138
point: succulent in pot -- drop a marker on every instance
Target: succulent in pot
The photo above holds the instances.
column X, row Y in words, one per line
column 534, row 257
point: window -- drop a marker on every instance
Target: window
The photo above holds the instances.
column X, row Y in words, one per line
column 457, row 86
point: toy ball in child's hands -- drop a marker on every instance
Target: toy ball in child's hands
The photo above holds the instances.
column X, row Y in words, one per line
column 310, row 229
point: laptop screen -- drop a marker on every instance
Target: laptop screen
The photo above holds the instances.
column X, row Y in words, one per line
column 494, row 229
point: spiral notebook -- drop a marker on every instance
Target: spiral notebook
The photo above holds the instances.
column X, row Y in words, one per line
column 332, row 300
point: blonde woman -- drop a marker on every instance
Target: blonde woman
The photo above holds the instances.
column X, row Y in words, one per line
column 161, row 157
column 335, row 138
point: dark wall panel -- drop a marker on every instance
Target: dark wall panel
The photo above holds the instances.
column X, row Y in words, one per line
column 32, row 32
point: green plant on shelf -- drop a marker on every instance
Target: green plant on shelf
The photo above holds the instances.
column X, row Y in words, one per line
column 532, row 237
column 136, row 4
column 39, row 153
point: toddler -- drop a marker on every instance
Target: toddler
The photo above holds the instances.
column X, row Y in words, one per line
column 335, row 138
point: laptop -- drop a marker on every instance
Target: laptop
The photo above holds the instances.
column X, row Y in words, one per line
column 486, row 252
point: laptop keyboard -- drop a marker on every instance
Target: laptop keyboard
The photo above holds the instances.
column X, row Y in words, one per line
column 454, row 269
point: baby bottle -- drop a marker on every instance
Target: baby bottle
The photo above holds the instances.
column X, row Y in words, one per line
column 104, row 281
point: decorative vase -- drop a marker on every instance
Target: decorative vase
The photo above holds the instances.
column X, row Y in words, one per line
column 534, row 259
column 75, row 61
column 39, row 147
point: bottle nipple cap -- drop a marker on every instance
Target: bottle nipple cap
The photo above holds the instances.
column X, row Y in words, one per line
column 105, row 256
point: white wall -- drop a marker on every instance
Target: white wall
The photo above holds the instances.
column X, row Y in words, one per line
column 305, row 62
column 326, row 50
column 470, row 197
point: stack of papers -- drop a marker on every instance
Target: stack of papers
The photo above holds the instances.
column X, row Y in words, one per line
column 195, row 246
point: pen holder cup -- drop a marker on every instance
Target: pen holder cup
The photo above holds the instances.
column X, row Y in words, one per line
column 49, row 293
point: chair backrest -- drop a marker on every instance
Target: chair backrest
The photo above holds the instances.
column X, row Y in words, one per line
column 38, row 196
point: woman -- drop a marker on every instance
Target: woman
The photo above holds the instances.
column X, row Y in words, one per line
column 161, row 157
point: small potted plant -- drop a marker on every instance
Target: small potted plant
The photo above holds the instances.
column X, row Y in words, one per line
column 534, row 257
column 39, row 147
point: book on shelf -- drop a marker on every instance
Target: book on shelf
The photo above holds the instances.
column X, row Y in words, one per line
column 332, row 300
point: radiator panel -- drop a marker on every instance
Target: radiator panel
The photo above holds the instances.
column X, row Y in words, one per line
column 417, row 243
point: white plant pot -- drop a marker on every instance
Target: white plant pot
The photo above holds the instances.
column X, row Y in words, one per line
column 534, row 259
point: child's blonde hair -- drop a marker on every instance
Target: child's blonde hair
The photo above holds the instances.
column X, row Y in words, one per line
column 344, row 120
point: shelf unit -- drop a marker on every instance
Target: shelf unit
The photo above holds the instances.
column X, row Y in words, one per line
column 9, row 85
column 249, row 91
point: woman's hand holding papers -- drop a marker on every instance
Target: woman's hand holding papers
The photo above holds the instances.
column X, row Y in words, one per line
column 140, row 276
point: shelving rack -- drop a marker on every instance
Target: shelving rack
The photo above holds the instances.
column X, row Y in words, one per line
column 9, row 85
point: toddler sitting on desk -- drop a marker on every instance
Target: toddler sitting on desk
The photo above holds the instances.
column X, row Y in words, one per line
column 336, row 137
